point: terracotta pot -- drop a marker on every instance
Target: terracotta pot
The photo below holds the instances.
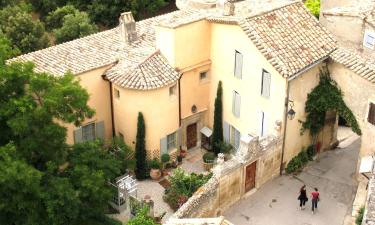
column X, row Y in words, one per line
column 165, row 173
column 208, row 166
column 155, row 174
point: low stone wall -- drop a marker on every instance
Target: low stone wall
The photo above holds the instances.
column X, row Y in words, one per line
column 227, row 184
column 369, row 215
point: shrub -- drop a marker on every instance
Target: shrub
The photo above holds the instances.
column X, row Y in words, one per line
column 297, row 162
column 183, row 186
column 359, row 218
column 224, row 147
column 209, row 157
column 303, row 156
column 142, row 218
column 155, row 164
column 165, row 158
column 311, row 152
column 314, row 7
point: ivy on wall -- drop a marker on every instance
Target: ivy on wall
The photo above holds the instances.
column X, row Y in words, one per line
column 325, row 97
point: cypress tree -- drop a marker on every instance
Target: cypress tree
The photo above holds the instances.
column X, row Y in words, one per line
column 140, row 149
column 217, row 135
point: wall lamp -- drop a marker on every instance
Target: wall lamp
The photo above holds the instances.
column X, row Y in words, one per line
column 291, row 112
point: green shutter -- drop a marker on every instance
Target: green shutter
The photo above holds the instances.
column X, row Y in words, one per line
column 99, row 132
column 163, row 146
column 77, row 135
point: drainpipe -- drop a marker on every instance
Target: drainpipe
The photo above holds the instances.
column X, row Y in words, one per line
column 285, row 124
column 111, row 101
column 179, row 101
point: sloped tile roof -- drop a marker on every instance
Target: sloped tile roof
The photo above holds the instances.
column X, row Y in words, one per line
column 364, row 67
column 289, row 37
column 152, row 73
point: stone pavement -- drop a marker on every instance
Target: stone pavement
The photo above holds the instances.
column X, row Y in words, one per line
column 276, row 202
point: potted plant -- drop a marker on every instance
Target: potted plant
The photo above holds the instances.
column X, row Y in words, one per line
column 208, row 160
column 165, row 158
column 225, row 148
column 155, row 173
column 183, row 153
column 179, row 159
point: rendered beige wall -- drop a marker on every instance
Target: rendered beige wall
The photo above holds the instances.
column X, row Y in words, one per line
column 160, row 112
column 98, row 90
column 185, row 46
column 358, row 93
column 225, row 40
column 299, row 89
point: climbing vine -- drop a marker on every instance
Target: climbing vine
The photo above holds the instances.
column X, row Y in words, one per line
column 327, row 96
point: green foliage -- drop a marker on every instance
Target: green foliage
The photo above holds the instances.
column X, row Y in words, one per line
column 142, row 218
column 183, row 186
column 323, row 98
column 225, row 148
column 297, row 162
column 42, row 179
column 359, row 217
column 55, row 18
column 74, row 26
column 123, row 153
column 24, row 32
column 209, row 157
column 311, row 152
column 6, row 49
column 165, row 158
column 217, row 134
column 5, row 3
column 140, row 149
column 155, row 164
column 314, row 7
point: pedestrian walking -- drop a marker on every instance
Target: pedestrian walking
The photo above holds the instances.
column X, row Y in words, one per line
column 302, row 197
column 314, row 200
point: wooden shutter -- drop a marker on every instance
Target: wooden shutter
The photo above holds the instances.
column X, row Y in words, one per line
column 236, row 104
column 371, row 114
column 78, row 135
column 266, row 84
column 163, row 146
column 99, row 130
column 237, row 136
column 238, row 65
column 226, row 132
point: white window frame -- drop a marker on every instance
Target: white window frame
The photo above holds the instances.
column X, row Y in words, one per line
column 369, row 39
column 236, row 104
column 266, row 90
column 171, row 141
column 238, row 64
column 83, row 132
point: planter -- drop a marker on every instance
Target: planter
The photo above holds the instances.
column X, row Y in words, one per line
column 165, row 172
column 155, row 174
column 208, row 166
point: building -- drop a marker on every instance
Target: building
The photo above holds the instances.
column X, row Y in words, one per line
column 266, row 53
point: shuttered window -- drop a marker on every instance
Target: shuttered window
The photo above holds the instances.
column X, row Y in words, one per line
column 262, row 124
column 89, row 132
column 226, row 132
column 371, row 114
column 369, row 39
column 238, row 64
column 171, row 141
column 235, row 137
column 236, row 104
column 266, row 84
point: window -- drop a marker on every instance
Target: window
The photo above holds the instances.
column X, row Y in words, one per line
column 203, row 75
column 371, row 114
column 171, row 141
column 262, row 124
column 236, row 104
column 117, row 93
column 369, row 39
column 238, row 65
column 173, row 90
column 235, row 137
column 266, row 84
column 88, row 132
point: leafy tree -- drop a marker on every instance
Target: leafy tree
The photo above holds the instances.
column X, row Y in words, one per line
column 55, row 19
column 19, row 27
column 46, row 6
column 6, row 50
column 217, row 134
column 75, row 26
column 140, row 149
column 5, row 3
column 314, row 7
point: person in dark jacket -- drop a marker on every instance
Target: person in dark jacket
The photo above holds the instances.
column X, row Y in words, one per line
column 302, row 197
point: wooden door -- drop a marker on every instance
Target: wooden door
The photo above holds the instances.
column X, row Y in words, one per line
column 191, row 136
column 250, row 176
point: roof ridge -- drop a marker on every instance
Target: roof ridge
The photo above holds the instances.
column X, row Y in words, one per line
column 276, row 8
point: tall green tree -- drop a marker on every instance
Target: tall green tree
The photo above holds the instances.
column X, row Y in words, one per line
column 217, row 134
column 6, row 49
column 55, row 18
column 140, row 149
column 74, row 26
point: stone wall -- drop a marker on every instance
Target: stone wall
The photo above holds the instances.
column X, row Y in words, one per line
column 227, row 185
column 369, row 215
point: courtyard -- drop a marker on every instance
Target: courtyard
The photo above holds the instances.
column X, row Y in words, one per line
column 276, row 202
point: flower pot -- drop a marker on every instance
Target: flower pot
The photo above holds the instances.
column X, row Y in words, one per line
column 155, row 174
column 208, row 166
column 183, row 153
column 165, row 173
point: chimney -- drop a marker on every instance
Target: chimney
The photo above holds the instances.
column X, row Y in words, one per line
column 229, row 8
column 128, row 32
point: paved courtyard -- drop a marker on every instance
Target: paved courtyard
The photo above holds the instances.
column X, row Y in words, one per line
column 276, row 202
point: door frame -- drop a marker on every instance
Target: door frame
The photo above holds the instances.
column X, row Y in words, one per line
column 255, row 177
column 196, row 135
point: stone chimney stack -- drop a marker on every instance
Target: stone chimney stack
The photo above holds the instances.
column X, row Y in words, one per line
column 128, row 32
column 229, row 8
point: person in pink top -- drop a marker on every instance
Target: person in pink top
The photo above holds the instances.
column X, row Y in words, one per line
column 314, row 200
